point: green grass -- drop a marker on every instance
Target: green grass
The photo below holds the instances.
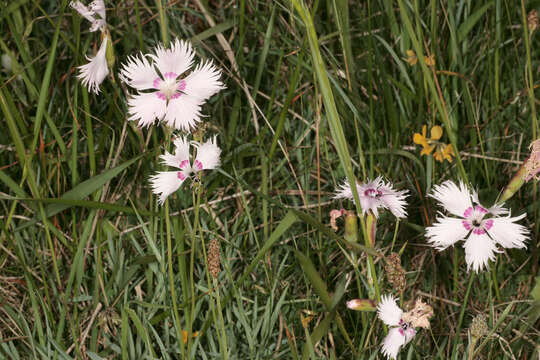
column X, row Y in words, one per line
column 317, row 91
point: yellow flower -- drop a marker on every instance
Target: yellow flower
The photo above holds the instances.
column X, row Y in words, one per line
column 185, row 335
column 412, row 59
column 442, row 150
column 448, row 152
column 430, row 60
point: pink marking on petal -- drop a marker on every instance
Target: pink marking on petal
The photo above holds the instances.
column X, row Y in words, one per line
column 198, row 165
column 170, row 75
column 401, row 331
column 479, row 231
column 161, row 95
column 181, row 176
column 182, row 85
column 481, row 209
column 157, row 81
column 468, row 212
column 466, row 224
column 176, row 95
column 488, row 224
column 184, row 163
column 370, row 192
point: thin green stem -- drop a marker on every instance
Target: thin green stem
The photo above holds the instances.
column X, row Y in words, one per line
column 463, row 309
column 163, row 23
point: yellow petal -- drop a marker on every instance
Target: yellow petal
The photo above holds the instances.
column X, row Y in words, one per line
column 430, row 60
column 436, row 132
column 426, row 150
column 185, row 335
column 438, row 156
column 424, row 130
column 419, row 139
column 411, row 57
column 448, row 152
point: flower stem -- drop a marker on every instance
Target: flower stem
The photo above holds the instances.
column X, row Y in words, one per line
column 171, row 273
column 463, row 308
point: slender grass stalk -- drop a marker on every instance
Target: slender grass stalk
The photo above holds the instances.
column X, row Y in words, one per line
column 172, row 289
column 433, row 85
column 462, row 313
column 163, row 23
column 335, row 125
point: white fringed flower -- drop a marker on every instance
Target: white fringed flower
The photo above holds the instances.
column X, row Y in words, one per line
column 401, row 332
column 96, row 7
column 93, row 73
column 376, row 194
column 164, row 91
column 481, row 228
column 165, row 183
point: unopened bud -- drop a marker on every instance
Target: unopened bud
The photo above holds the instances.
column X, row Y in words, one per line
column 351, row 227
column 362, row 305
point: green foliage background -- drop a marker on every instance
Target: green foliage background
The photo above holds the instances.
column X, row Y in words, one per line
column 92, row 268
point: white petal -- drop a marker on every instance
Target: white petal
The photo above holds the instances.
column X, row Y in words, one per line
column 392, row 342
column 344, row 191
column 83, row 10
column 369, row 203
column 146, row 108
column 177, row 59
column 388, row 310
column 183, row 113
column 208, row 154
column 479, row 250
column 508, row 234
column 98, row 6
column 445, row 232
column 93, row 73
column 164, row 183
column 181, row 153
column 453, row 198
column 97, row 24
column 138, row 73
column 498, row 210
column 203, row 81
column 393, row 200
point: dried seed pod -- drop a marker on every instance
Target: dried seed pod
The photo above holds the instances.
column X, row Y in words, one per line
column 479, row 327
column 395, row 272
column 213, row 258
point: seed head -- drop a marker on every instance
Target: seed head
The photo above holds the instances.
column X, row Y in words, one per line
column 213, row 258
column 479, row 327
column 395, row 272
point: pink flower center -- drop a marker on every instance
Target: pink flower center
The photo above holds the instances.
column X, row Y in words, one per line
column 474, row 220
column 184, row 164
column 374, row 193
column 169, row 87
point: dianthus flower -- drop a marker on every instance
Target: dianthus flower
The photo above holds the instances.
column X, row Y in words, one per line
column 482, row 228
column 402, row 325
column 97, row 69
column 164, row 91
column 376, row 194
column 165, row 183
